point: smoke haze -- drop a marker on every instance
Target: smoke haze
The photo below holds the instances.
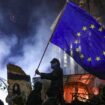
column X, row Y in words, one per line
column 25, row 31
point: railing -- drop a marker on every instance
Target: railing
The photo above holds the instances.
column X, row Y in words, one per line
column 3, row 84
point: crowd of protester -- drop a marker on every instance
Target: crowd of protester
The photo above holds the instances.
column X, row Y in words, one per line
column 54, row 93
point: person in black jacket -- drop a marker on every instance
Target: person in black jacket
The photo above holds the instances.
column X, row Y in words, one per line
column 35, row 96
column 56, row 77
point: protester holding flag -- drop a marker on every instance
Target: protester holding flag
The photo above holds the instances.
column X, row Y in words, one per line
column 82, row 37
column 56, row 76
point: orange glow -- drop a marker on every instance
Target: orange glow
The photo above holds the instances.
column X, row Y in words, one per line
column 95, row 91
column 78, row 86
column 81, row 86
column 68, row 94
column 75, row 88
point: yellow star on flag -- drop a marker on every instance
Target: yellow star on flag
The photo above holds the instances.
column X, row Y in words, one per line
column 92, row 26
column 76, row 41
column 104, row 53
column 81, row 56
column 84, row 28
column 89, row 59
column 98, row 58
column 100, row 29
column 78, row 34
column 77, row 49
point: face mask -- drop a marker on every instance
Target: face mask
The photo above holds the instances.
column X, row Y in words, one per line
column 54, row 65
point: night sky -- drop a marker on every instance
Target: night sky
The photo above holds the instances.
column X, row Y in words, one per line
column 22, row 17
column 25, row 30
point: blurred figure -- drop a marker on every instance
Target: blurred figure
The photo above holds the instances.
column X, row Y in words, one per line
column 56, row 76
column 1, row 102
column 15, row 97
column 35, row 96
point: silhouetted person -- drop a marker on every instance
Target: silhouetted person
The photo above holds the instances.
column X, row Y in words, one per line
column 1, row 102
column 56, row 76
column 35, row 96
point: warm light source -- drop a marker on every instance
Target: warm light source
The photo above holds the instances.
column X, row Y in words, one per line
column 95, row 90
column 75, row 90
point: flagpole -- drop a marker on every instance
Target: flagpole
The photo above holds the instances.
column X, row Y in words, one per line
column 51, row 36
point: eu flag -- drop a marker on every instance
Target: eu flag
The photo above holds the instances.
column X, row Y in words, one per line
column 83, row 38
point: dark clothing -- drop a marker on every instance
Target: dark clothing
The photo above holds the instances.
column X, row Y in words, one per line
column 1, row 102
column 56, row 87
column 18, row 100
column 34, row 98
column 51, row 101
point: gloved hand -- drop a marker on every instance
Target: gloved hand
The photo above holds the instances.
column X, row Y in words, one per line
column 37, row 72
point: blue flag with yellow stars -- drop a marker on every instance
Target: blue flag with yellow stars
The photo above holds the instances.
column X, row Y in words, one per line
column 83, row 38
